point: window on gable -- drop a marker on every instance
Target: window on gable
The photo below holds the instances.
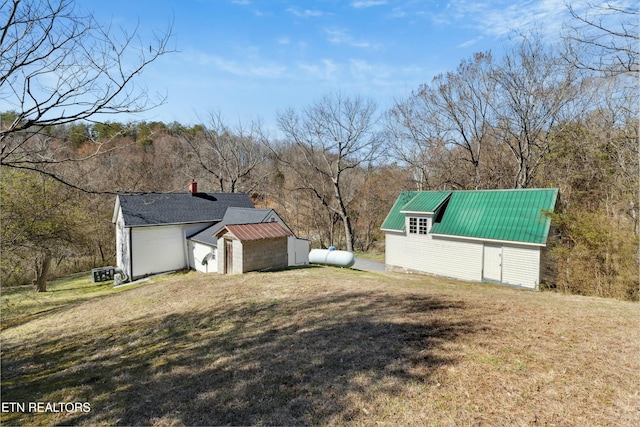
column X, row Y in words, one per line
column 413, row 225
column 417, row 225
column 422, row 226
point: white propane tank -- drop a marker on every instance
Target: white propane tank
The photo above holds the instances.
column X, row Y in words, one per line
column 332, row 257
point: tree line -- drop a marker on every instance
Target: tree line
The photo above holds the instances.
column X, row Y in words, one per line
column 540, row 115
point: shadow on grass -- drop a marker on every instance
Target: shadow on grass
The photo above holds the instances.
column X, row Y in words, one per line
column 27, row 305
column 296, row 361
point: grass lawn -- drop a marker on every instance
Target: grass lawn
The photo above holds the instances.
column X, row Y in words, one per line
column 323, row 346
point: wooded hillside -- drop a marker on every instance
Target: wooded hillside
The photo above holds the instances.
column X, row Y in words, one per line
column 539, row 116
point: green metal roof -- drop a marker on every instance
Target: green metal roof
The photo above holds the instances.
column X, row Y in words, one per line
column 426, row 201
column 511, row 215
column 394, row 219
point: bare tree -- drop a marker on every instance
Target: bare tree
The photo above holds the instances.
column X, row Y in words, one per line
column 232, row 156
column 535, row 93
column 333, row 137
column 411, row 140
column 58, row 66
column 452, row 113
column 605, row 38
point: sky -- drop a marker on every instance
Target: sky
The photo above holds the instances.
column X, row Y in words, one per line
column 252, row 59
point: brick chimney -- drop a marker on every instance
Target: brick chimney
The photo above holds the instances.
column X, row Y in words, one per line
column 193, row 188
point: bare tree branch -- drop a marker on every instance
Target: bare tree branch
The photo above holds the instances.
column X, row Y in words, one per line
column 605, row 38
column 59, row 66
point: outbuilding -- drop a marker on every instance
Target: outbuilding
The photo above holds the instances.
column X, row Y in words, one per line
column 484, row 235
column 204, row 249
column 252, row 247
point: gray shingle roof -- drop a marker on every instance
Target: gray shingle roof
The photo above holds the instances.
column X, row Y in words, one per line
column 233, row 215
column 178, row 208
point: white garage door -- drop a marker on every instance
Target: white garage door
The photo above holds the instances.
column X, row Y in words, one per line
column 157, row 249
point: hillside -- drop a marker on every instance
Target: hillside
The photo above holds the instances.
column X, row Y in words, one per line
column 327, row 346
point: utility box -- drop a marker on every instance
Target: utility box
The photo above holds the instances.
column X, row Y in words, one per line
column 102, row 274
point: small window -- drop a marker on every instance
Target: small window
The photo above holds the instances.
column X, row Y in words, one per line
column 422, row 226
column 413, row 225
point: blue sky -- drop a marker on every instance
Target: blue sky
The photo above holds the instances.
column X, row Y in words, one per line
column 250, row 59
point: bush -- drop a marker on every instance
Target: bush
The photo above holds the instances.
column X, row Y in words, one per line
column 595, row 254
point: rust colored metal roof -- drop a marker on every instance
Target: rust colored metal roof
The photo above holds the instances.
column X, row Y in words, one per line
column 263, row 230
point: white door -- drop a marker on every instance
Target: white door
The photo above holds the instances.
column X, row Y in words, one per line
column 157, row 249
column 492, row 264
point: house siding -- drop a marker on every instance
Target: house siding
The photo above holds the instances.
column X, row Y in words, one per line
column 460, row 259
column 521, row 266
column 408, row 252
column 456, row 258
column 428, row 254
column 198, row 252
column 298, row 250
column 393, row 249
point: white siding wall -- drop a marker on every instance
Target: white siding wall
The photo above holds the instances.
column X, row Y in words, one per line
column 198, row 252
column 521, row 266
column 158, row 249
column 393, row 252
column 298, row 251
column 417, row 254
column 444, row 257
column 460, row 259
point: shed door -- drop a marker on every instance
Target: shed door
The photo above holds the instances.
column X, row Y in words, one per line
column 492, row 264
column 228, row 256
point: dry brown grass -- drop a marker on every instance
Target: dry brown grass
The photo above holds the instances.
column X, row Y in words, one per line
column 329, row 346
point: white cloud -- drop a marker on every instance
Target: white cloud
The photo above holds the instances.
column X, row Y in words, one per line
column 325, row 70
column 502, row 17
column 341, row 36
column 368, row 3
column 249, row 68
column 305, row 13
column 470, row 42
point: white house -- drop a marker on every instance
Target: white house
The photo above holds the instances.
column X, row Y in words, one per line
column 152, row 228
column 204, row 244
column 159, row 232
column 485, row 235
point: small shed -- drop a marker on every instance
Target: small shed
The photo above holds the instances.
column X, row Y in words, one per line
column 203, row 245
column 252, row 247
column 483, row 235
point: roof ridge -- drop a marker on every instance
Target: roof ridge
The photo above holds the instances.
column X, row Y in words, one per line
column 504, row 189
